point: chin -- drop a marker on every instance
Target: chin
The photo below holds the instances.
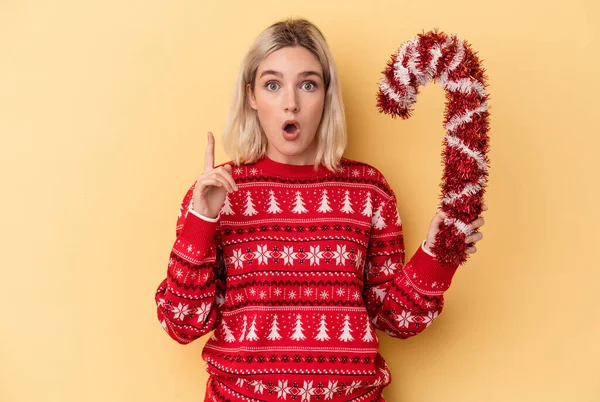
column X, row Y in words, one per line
column 291, row 150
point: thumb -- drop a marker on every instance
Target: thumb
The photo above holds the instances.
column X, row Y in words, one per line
column 440, row 216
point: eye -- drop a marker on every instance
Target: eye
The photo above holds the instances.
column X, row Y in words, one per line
column 309, row 85
column 272, row 86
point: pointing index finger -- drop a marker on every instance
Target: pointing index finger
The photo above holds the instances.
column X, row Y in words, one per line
column 209, row 157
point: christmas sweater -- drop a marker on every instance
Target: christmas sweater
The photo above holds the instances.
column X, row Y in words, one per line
column 294, row 276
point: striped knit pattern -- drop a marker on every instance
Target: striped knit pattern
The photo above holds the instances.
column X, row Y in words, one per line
column 293, row 279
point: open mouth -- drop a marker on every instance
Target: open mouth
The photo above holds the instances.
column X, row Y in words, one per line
column 291, row 126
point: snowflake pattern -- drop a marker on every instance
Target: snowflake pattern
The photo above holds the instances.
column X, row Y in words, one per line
column 388, row 267
column 262, row 255
column 202, row 311
column 404, row 318
column 431, row 315
column 181, row 311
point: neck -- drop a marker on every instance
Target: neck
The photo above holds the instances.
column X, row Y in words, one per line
column 306, row 158
column 293, row 160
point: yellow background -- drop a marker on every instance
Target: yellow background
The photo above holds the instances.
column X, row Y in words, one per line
column 104, row 108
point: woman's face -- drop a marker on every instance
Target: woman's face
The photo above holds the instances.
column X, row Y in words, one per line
column 289, row 95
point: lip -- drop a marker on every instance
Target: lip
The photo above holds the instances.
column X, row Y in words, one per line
column 290, row 136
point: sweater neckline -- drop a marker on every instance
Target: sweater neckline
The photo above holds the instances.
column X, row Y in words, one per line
column 272, row 167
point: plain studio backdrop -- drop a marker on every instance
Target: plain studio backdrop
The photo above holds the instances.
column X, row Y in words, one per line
column 104, row 108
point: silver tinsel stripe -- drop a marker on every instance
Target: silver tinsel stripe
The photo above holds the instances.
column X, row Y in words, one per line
column 460, row 225
column 478, row 156
column 469, row 189
column 459, row 119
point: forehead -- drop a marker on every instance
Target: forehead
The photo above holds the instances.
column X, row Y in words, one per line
column 290, row 60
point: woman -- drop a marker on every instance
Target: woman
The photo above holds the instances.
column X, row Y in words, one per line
column 291, row 253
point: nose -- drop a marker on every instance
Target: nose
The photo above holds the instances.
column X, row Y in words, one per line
column 291, row 102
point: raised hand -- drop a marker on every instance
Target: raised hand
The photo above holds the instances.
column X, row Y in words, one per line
column 474, row 238
column 213, row 185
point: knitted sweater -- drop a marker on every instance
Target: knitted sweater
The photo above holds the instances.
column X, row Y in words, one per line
column 294, row 276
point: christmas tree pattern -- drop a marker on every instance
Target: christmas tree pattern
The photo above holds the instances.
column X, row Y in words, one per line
column 368, row 336
column 377, row 220
column 244, row 329
column 347, row 205
column 252, row 331
column 324, row 205
column 298, row 334
column 227, row 206
column 380, row 293
column 249, row 205
column 368, row 209
column 299, row 204
column 322, row 334
column 274, row 334
column 190, row 206
column 228, row 334
column 346, row 335
column 398, row 220
column 273, row 204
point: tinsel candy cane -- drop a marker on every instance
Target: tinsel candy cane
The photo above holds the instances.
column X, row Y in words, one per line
column 449, row 61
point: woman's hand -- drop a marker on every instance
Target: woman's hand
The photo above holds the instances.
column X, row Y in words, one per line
column 213, row 185
column 474, row 238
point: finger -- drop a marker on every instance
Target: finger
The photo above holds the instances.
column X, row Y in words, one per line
column 474, row 238
column 484, row 207
column 210, row 181
column 221, row 177
column 477, row 223
column 471, row 250
column 440, row 216
column 226, row 173
column 209, row 156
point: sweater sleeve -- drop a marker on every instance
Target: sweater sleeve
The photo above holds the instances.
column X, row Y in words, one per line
column 402, row 299
column 188, row 299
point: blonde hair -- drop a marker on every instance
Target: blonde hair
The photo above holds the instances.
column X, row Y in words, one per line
column 243, row 137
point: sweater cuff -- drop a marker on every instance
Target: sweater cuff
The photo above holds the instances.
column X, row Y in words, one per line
column 206, row 218
column 198, row 231
column 425, row 249
column 427, row 274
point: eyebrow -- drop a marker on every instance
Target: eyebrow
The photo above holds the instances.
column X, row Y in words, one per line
column 303, row 74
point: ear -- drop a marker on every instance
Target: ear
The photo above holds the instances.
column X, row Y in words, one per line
column 250, row 95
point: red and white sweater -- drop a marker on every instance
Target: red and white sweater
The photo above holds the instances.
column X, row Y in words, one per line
column 294, row 276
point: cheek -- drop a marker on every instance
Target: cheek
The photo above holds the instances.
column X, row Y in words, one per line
column 316, row 110
column 265, row 110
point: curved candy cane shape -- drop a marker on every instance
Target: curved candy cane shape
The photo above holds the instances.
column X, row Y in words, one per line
column 450, row 62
